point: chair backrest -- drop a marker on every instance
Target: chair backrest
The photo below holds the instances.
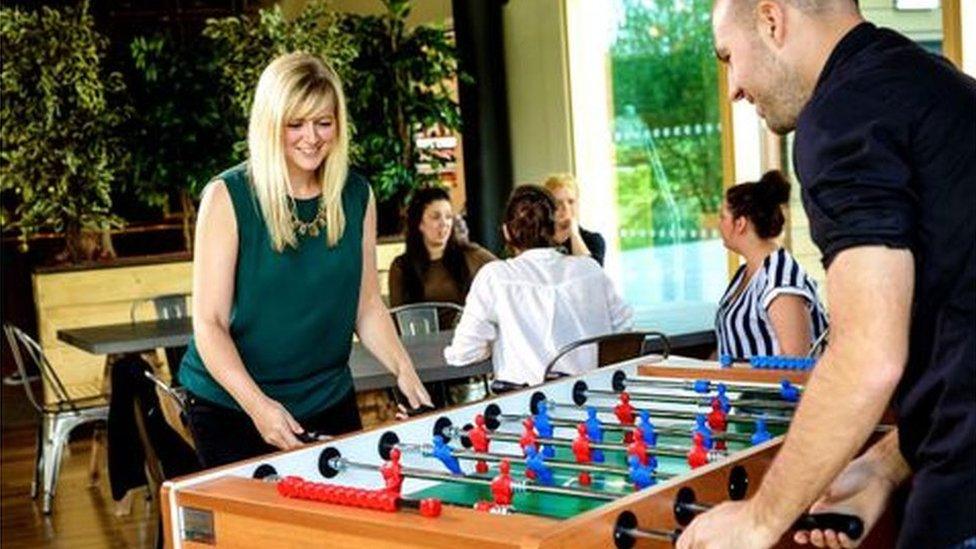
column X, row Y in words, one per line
column 167, row 306
column 612, row 348
column 173, row 403
column 819, row 346
column 424, row 318
column 24, row 348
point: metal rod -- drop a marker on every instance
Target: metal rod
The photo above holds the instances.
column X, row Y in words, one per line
column 700, row 401
column 427, row 451
column 673, row 451
column 667, row 430
column 340, row 464
column 690, row 385
column 694, row 507
column 661, row 535
column 673, row 414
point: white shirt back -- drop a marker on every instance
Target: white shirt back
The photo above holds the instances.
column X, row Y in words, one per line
column 521, row 311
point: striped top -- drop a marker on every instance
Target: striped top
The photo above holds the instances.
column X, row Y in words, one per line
column 742, row 323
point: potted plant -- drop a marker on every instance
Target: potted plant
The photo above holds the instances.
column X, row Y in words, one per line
column 59, row 113
column 401, row 84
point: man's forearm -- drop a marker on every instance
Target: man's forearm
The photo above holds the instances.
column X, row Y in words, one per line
column 851, row 385
column 838, row 412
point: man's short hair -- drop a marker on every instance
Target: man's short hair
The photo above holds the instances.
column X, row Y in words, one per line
column 744, row 8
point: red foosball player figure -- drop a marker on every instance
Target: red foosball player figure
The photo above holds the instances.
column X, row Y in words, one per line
column 528, row 438
column 638, row 447
column 583, row 453
column 625, row 415
column 501, row 486
column 698, row 455
column 716, row 418
column 718, row 422
column 478, row 435
column 392, row 472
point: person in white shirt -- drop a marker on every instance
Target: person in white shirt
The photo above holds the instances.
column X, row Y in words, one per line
column 521, row 311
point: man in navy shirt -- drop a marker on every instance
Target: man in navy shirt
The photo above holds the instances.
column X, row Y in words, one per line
column 885, row 151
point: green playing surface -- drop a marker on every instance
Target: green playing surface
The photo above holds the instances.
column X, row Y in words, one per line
column 565, row 506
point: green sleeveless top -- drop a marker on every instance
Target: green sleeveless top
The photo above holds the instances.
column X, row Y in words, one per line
column 293, row 312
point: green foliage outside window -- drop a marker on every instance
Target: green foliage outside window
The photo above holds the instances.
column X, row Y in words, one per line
column 60, row 114
column 668, row 143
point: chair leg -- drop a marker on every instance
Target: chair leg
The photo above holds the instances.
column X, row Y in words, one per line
column 57, row 440
column 37, row 477
column 98, row 442
column 52, row 462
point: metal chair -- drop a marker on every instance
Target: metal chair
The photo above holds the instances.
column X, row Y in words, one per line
column 611, row 348
column 423, row 318
column 167, row 306
column 428, row 318
column 57, row 420
column 820, row 345
column 173, row 403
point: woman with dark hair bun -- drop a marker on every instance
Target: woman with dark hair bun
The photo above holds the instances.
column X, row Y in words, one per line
column 521, row 311
column 771, row 305
column 436, row 266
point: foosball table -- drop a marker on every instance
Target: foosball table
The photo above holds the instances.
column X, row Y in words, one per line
column 623, row 456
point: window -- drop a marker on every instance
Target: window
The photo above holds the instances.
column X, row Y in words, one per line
column 660, row 170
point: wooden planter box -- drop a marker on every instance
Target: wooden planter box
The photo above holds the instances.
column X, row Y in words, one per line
column 98, row 294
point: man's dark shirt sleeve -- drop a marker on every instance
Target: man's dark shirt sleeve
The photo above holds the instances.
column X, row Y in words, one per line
column 858, row 185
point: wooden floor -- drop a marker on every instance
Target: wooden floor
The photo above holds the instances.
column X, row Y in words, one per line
column 83, row 515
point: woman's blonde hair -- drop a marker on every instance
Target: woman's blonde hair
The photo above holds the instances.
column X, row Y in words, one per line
column 295, row 86
column 561, row 181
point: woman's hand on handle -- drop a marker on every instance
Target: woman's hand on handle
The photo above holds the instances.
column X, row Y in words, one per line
column 276, row 425
column 412, row 388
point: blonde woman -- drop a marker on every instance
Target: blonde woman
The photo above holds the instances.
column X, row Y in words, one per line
column 569, row 235
column 284, row 272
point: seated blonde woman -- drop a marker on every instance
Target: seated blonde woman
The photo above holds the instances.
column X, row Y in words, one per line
column 569, row 235
column 521, row 311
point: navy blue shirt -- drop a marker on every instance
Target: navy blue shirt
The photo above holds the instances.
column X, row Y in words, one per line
column 885, row 151
column 594, row 242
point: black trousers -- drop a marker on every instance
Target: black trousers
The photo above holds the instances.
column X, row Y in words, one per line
column 223, row 435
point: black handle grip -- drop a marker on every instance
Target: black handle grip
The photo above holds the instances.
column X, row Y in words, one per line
column 401, row 399
column 308, row 437
column 422, row 409
column 850, row 525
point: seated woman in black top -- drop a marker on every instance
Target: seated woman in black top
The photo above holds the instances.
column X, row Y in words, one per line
column 569, row 235
column 771, row 305
column 436, row 266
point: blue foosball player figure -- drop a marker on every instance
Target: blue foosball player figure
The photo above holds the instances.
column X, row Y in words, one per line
column 788, row 391
column 536, row 462
column 445, row 454
column 761, row 435
column 647, row 428
column 722, row 398
column 701, row 426
column 594, row 430
column 641, row 475
column 545, row 429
